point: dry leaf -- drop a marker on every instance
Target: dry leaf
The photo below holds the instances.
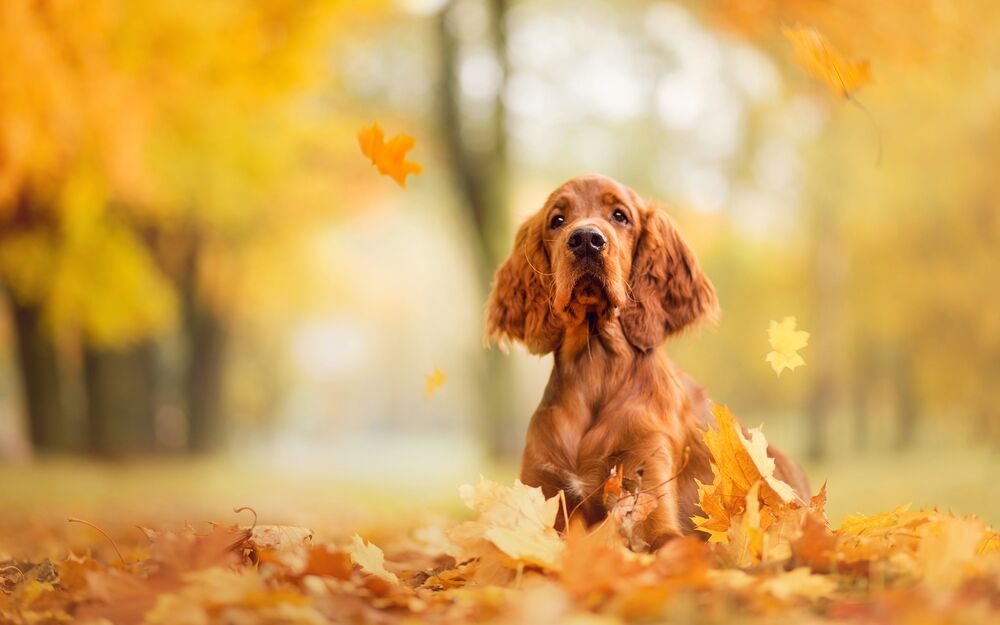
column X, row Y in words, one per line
column 901, row 566
column 517, row 520
column 328, row 562
column 371, row 559
column 389, row 157
column 798, row 583
column 595, row 562
column 738, row 463
column 280, row 537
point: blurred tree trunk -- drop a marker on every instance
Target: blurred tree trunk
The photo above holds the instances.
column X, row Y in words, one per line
column 481, row 177
column 861, row 392
column 822, row 396
column 49, row 424
column 986, row 424
column 907, row 403
column 206, row 337
column 121, row 399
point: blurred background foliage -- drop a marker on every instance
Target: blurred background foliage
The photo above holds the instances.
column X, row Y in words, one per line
column 195, row 258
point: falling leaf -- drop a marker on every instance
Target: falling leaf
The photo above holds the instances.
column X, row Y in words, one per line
column 785, row 342
column 815, row 54
column 371, row 559
column 433, row 382
column 388, row 156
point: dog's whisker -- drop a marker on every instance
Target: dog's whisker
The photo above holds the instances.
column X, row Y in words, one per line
column 528, row 260
column 631, row 293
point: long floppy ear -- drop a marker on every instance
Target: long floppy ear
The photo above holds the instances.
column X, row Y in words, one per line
column 519, row 307
column 671, row 292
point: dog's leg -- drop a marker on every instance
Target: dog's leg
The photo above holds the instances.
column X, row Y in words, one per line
column 658, row 488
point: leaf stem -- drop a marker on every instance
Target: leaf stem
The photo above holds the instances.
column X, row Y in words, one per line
column 103, row 533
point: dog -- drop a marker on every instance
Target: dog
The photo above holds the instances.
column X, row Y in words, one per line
column 601, row 278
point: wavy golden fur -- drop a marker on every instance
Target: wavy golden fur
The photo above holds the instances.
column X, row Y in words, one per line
column 600, row 278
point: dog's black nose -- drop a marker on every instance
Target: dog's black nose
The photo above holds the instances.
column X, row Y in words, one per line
column 586, row 241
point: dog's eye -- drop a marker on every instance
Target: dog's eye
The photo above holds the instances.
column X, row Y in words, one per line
column 620, row 216
column 557, row 221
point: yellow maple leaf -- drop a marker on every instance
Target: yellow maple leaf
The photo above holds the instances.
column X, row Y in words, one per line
column 371, row 559
column 389, row 157
column 433, row 382
column 738, row 463
column 764, row 533
column 785, row 342
column 815, row 54
column 518, row 521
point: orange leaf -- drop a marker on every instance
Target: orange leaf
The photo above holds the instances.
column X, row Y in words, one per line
column 595, row 562
column 389, row 157
column 738, row 462
column 613, row 485
column 815, row 54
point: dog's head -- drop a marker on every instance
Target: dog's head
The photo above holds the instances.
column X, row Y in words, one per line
column 597, row 252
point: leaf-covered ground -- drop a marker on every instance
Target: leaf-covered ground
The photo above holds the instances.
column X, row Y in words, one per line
column 769, row 558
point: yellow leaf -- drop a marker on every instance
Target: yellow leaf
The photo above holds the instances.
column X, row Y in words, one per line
column 815, row 54
column 433, row 382
column 738, row 463
column 884, row 523
column 990, row 543
column 389, row 157
column 785, row 342
column 35, row 589
column 517, row 520
column 947, row 550
column 745, row 537
column 280, row 537
column 798, row 583
column 371, row 559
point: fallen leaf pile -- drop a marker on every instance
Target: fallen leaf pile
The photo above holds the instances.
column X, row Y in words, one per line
column 769, row 558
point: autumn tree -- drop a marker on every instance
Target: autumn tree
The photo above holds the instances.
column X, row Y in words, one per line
column 131, row 180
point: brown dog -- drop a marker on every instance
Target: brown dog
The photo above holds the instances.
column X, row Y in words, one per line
column 601, row 278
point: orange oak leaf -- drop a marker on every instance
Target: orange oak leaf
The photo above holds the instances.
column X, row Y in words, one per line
column 818, row 57
column 388, row 156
